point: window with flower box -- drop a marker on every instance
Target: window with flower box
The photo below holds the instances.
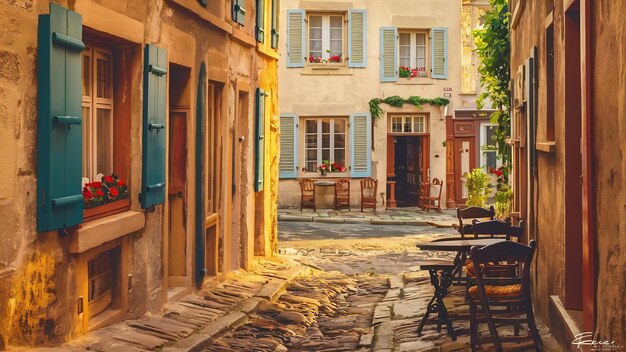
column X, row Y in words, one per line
column 413, row 54
column 105, row 126
column 417, row 123
column 326, row 38
column 325, row 143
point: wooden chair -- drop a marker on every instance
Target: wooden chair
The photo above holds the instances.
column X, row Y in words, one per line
column 307, row 194
column 430, row 201
column 495, row 228
column 368, row 193
column 342, row 194
column 502, row 300
column 469, row 214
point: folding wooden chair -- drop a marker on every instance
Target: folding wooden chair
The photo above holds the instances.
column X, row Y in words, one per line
column 342, row 194
column 368, row 193
column 307, row 194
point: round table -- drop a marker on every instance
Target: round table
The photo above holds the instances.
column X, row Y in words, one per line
column 458, row 245
column 325, row 184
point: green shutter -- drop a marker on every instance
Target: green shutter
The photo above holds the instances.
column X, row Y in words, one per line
column 360, row 144
column 200, row 178
column 259, row 137
column 274, row 24
column 239, row 11
column 154, row 132
column 59, row 134
column 260, row 21
column 288, row 165
column 295, row 38
column 388, row 54
column 439, row 55
column 357, row 43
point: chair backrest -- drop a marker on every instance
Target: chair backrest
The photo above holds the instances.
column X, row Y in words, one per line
column 505, row 251
column 307, row 186
column 492, row 228
column 438, row 183
column 518, row 231
column 471, row 213
column 368, row 187
column 342, row 186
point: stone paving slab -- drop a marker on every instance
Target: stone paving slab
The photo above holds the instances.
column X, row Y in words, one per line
column 403, row 216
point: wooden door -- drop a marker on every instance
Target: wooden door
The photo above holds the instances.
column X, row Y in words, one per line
column 176, row 190
column 464, row 162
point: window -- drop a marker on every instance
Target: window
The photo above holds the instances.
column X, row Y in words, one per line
column 103, row 274
column 489, row 150
column 408, row 124
column 325, row 38
column 214, row 144
column 97, row 105
column 325, row 140
column 413, row 54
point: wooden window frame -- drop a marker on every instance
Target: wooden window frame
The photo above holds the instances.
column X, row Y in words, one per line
column 213, row 137
column 303, row 150
column 404, row 117
column 413, row 50
column 484, row 142
column 326, row 44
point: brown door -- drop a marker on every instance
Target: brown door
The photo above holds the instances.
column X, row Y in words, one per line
column 177, row 193
column 464, row 162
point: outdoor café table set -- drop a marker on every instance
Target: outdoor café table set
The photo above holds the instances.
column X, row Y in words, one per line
column 496, row 275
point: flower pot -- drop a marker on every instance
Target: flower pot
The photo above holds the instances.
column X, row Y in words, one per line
column 323, row 172
column 106, row 209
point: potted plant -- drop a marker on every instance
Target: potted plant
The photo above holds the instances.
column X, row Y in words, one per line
column 478, row 188
column 504, row 194
column 405, row 71
column 327, row 166
column 105, row 197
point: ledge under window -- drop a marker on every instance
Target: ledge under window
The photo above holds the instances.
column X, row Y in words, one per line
column 415, row 81
column 327, row 70
column 546, row 147
column 97, row 232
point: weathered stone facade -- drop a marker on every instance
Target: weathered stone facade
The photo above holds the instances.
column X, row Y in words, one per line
column 45, row 277
column 569, row 186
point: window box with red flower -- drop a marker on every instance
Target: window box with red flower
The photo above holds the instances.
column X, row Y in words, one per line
column 109, row 196
column 327, row 166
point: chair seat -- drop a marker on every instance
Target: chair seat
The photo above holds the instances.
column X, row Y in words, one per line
column 507, row 291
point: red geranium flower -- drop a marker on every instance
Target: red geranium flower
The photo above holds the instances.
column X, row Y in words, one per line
column 120, row 183
column 109, row 179
column 87, row 193
column 99, row 193
column 114, row 192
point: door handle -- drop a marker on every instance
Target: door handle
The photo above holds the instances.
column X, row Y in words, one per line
column 179, row 194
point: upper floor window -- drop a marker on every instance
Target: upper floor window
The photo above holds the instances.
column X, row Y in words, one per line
column 408, row 123
column 413, row 54
column 326, row 38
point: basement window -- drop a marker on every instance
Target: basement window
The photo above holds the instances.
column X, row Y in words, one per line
column 104, row 282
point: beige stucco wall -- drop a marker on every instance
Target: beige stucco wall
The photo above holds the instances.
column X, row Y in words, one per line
column 308, row 92
column 191, row 34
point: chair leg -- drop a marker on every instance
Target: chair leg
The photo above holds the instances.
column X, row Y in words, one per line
column 473, row 325
column 492, row 326
column 534, row 332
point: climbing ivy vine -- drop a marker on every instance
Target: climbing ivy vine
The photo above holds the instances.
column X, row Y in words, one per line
column 493, row 48
column 397, row 101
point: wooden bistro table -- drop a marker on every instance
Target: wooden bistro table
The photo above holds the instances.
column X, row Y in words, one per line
column 324, row 184
column 441, row 282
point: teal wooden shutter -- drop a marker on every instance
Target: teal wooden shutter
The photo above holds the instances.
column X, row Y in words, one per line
column 439, row 51
column 357, row 38
column 259, row 137
column 154, row 133
column 360, row 144
column 288, row 165
column 59, row 134
column 239, row 11
column 260, row 21
column 200, row 178
column 274, row 24
column 295, row 38
column 388, row 54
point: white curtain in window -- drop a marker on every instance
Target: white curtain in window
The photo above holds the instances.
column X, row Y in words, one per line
column 405, row 49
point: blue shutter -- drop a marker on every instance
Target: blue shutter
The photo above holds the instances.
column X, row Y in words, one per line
column 360, row 145
column 357, row 38
column 200, row 195
column 154, row 132
column 388, row 54
column 288, row 165
column 259, row 137
column 295, row 38
column 239, row 11
column 274, row 33
column 259, row 30
column 439, row 53
column 59, row 134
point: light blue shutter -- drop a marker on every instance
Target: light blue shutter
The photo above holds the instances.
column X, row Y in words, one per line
column 439, row 50
column 360, row 144
column 239, row 11
column 388, row 54
column 259, row 134
column 59, row 134
column 357, row 38
column 295, row 38
column 154, row 132
column 288, row 165
column 260, row 21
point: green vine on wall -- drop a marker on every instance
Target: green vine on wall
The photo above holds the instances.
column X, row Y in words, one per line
column 397, row 101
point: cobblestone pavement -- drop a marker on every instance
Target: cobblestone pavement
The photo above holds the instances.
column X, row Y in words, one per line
column 400, row 216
